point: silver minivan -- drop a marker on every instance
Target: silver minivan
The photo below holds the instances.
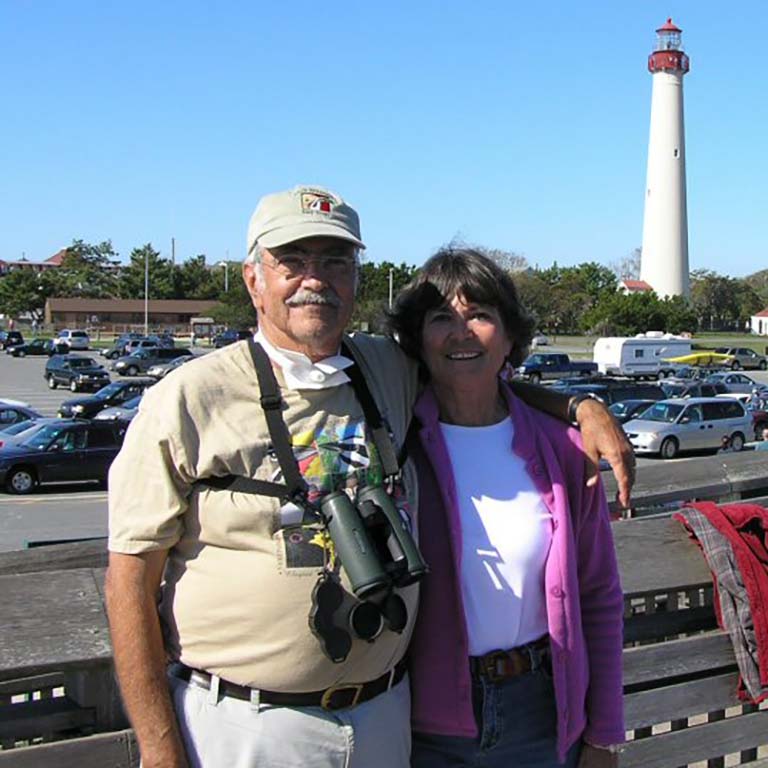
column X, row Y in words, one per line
column 694, row 424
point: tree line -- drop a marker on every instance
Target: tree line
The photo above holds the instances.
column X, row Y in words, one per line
column 581, row 299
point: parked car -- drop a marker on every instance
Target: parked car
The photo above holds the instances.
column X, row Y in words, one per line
column 669, row 427
column 143, row 359
column 615, row 390
column 690, row 388
column 66, row 451
column 546, row 366
column 14, row 412
column 626, row 410
column 19, row 431
column 230, row 336
column 539, row 340
column 118, row 348
column 77, row 373
column 735, row 382
column 744, row 357
column 72, row 339
column 34, row 347
column 10, row 338
column 161, row 370
column 116, row 393
column 123, row 413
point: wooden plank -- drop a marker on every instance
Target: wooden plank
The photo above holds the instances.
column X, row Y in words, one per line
column 52, row 622
column 656, row 626
column 656, row 555
column 115, row 750
column 694, row 697
column 35, row 683
column 57, row 557
column 34, row 718
column 653, row 666
column 697, row 743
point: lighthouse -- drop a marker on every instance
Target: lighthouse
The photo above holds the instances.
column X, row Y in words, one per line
column 664, row 262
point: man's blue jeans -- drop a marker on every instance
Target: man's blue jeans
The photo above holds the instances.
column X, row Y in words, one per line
column 517, row 721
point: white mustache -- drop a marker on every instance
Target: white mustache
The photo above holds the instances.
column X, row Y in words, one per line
column 304, row 296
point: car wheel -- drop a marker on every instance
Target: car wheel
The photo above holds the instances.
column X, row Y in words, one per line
column 669, row 448
column 737, row 441
column 21, row 353
column 661, row 375
column 73, row 386
column 535, row 378
column 735, row 365
column 52, row 383
column 131, row 370
column 21, row 480
column 759, row 427
column 763, row 365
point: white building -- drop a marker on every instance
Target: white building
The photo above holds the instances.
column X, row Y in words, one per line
column 664, row 262
column 759, row 323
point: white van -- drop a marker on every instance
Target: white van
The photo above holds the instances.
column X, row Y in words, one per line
column 641, row 355
column 73, row 339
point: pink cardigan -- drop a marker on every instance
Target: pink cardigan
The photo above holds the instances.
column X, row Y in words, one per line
column 583, row 593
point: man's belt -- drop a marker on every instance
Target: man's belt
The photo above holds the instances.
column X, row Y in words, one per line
column 497, row 666
column 334, row 698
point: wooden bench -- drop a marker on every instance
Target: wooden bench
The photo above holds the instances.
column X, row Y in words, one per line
column 679, row 670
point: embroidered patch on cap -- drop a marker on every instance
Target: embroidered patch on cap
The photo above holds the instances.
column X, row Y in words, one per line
column 316, row 202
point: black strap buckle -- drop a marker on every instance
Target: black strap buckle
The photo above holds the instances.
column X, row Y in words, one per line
column 271, row 402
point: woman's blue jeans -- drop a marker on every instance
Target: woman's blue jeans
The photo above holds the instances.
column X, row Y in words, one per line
column 517, row 721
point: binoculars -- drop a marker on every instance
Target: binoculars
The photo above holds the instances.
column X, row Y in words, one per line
column 372, row 541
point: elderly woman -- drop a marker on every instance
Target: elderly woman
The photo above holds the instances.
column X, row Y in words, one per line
column 516, row 659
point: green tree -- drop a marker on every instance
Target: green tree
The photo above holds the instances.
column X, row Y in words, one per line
column 715, row 300
column 235, row 308
column 620, row 314
column 194, row 279
column 88, row 270
column 23, row 291
column 373, row 292
column 535, row 295
column 161, row 275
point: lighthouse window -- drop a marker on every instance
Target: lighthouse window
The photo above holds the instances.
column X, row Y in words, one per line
column 677, row 153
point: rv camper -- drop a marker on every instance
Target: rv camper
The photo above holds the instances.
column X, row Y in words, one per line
column 641, row 355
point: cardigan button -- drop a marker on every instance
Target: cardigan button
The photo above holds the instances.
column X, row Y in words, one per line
column 557, row 592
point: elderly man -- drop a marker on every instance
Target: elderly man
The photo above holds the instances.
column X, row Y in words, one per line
column 265, row 647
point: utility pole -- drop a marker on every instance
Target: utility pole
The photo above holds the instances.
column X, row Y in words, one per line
column 391, row 278
column 146, row 291
column 173, row 251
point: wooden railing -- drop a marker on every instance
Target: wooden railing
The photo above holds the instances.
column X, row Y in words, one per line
column 59, row 705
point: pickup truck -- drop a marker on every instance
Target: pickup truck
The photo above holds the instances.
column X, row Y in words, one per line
column 541, row 367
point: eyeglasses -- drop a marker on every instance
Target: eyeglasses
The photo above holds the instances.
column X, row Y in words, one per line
column 295, row 262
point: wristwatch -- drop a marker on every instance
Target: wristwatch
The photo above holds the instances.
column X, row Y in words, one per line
column 573, row 405
column 614, row 749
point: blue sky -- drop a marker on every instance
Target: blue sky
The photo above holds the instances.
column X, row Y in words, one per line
column 514, row 125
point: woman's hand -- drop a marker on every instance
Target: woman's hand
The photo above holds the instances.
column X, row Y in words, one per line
column 603, row 436
column 594, row 757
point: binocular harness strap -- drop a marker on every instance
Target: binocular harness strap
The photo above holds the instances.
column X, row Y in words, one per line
column 295, row 488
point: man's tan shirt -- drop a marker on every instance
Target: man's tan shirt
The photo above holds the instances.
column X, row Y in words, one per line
column 241, row 568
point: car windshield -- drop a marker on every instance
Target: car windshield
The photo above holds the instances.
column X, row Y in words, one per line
column 42, row 438
column 666, row 412
column 132, row 403
column 619, row 409
column 109, row 390
column 82, row 362
column 20, row 426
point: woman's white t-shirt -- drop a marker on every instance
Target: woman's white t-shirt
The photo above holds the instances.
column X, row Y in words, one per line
column 506, row 536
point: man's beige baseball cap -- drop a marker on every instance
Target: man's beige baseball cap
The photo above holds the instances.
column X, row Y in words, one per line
column 301, row 212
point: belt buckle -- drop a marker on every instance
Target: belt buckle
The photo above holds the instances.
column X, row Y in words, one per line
column 493, row 665
column 327, row 704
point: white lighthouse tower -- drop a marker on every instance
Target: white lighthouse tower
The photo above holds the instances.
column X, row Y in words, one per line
column 664, row 263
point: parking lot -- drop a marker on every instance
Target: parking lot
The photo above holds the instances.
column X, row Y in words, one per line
column 71, row 511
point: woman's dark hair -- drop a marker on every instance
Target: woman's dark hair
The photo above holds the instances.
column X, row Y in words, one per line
column 470, row 274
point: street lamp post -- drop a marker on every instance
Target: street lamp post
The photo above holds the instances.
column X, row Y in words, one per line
column 146, row 291
column 225, row 264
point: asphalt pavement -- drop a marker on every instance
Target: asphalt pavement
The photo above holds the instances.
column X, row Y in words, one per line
column 75, row 510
